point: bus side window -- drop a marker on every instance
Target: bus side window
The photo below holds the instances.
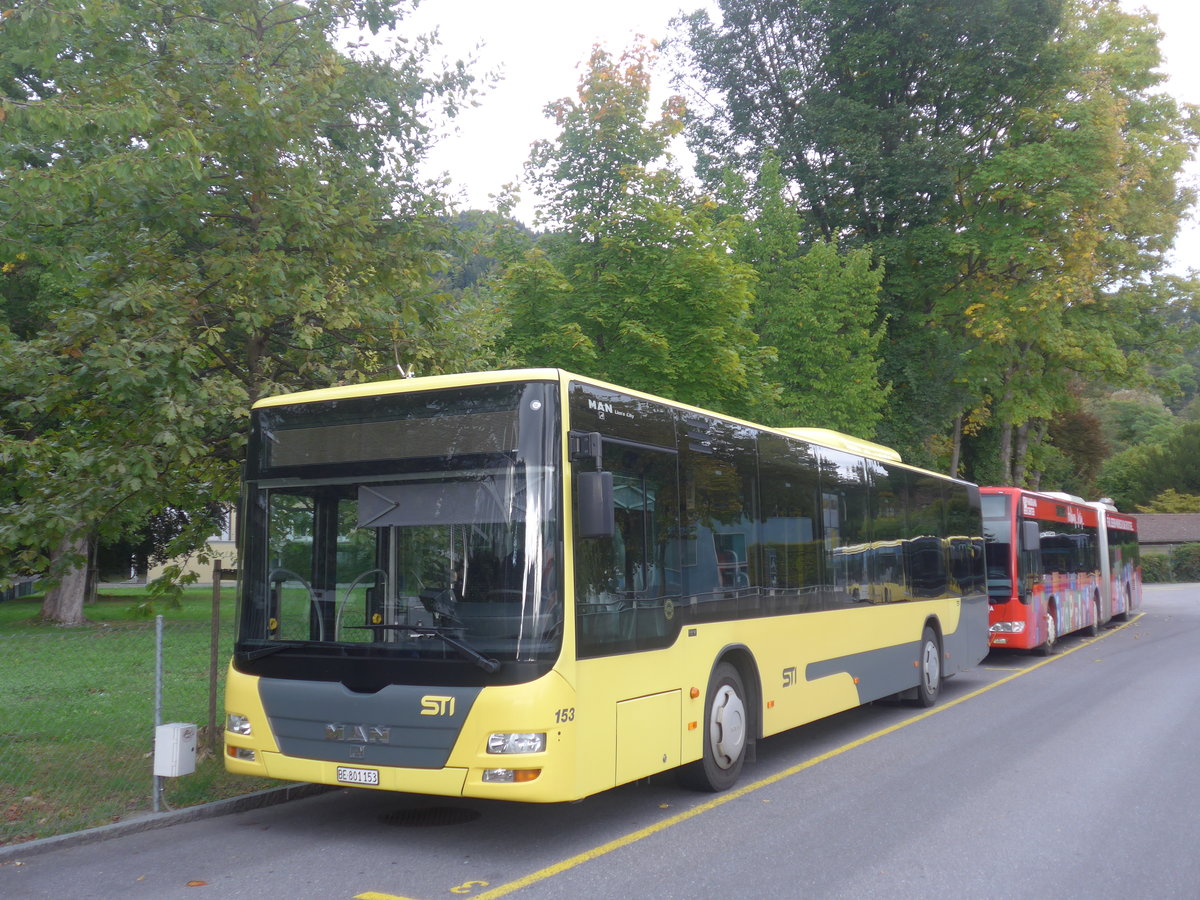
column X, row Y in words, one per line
column 623, row 581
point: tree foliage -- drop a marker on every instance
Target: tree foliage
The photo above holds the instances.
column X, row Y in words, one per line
column 200, row 203
column 637, row 283
column 1010, row 163
column 818, row 310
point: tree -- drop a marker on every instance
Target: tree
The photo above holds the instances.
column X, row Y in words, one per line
column 873, row 110
column 1171, row 501
column 200, row 204
column 871, row 107
column 1011, row 163
column 817, row 309
column 1136, row 476
column 636, row 283
column 1060, row 236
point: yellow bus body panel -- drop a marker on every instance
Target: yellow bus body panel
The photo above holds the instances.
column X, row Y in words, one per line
column 633, row 715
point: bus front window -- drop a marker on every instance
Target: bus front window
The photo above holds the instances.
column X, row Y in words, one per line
column 402, row 564
column 389, row 534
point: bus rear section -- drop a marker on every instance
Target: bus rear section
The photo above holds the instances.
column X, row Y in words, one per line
column 1120, row 563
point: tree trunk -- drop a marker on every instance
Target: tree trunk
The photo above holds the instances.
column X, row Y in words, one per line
column 956, row 453
column 64, row 601
column 1039, row 438
column 1020, row 453
column 1006, row 454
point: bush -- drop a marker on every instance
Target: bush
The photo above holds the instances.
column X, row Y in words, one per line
column 1185, row 563
column 1181, row 564
column 1156, row 568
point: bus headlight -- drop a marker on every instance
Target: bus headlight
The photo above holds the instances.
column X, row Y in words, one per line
column 1009, row 627
column 517, row 743
column 236, row 724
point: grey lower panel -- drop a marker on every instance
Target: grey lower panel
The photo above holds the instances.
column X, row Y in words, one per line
column 969, row 644
column 401, row 725
column 879, row 672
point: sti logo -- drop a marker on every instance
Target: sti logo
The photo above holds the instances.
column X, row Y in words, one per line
column 435, row 705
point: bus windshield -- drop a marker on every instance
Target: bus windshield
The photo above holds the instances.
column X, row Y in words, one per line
column 997, row 528
column 444, row 558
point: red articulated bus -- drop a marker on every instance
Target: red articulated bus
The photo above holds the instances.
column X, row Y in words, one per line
column 1044, row 567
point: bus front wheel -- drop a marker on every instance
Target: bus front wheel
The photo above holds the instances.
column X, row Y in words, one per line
column 726, row 733
column 1047, row 648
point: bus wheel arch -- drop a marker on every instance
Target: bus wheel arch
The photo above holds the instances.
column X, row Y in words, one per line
column 730, row 725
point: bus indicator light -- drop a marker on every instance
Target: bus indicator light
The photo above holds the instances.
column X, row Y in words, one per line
column 510, row 776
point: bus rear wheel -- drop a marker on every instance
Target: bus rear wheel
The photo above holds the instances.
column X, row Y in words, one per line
column 1127, row 612
column 1093, row 629
column 726, row 733
column 930, row 665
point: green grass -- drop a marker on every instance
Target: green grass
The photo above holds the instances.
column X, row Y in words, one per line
column 77, row 730
column 118, row 606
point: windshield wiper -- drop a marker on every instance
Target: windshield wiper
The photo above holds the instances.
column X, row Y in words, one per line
column 268, row 650
column 486, row 663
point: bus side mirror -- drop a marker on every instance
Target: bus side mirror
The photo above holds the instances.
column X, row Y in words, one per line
column 1031, row 538
column 594, row 492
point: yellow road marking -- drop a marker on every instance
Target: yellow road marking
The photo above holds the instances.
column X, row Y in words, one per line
column 634, row 836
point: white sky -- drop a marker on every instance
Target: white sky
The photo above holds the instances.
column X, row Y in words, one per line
column 540, row 46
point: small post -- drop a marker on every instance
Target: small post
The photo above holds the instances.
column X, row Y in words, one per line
column 158, row 692
column 214, row 637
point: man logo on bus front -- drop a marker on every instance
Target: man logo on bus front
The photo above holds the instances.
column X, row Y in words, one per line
column 361, row 734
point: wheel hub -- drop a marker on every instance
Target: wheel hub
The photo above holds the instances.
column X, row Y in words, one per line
column 931, row 666
column 727, row 726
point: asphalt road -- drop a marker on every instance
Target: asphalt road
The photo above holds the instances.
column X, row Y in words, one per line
column 1073, row 776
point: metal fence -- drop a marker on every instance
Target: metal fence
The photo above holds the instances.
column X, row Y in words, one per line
column 77, row 716
column 18, row 587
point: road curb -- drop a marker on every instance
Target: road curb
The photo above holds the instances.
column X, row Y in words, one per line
column 268, row 797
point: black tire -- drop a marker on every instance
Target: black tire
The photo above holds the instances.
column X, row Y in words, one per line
column 1047, row 649
column 1127, row 613
column 1093, row 630
column 929, row 665
column 726, row 733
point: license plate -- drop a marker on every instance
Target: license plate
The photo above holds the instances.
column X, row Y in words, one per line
column 347, row 775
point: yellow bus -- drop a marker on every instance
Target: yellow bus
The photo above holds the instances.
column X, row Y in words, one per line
column 530, row 585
